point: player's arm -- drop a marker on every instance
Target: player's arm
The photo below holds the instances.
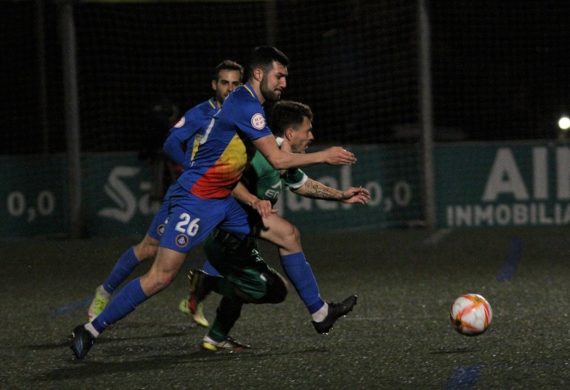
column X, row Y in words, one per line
column 174, row 147
column 263, row 207
column 283, row 160
column 314, row 189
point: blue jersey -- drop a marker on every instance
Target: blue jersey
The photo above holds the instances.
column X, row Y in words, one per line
column 218, row 156
column 179, row 144
column 178, row 147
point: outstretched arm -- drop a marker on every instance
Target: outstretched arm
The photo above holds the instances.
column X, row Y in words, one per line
column 280, row 159
column 314, row 189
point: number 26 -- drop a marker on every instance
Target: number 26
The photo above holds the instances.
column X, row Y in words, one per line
column 187, row 225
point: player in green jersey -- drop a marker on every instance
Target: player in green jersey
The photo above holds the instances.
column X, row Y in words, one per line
column 240, row 263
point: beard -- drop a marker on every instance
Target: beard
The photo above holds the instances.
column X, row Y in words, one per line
column 269, row 94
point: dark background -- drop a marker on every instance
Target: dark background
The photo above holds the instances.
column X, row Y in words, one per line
column 499, row 69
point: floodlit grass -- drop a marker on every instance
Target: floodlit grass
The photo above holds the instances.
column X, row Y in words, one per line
column 398, row 336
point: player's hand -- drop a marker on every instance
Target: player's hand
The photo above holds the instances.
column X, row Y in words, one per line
column 355, row 195
column 339, row 156
column 263, row 207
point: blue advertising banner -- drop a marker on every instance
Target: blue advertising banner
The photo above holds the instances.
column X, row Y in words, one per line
column 116, row 194
column 33, row 196
column 502, row 184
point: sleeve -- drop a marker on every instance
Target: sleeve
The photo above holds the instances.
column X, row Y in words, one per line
column 174, row 148
column 251, row 121
column 175, row 144
column 294, row 178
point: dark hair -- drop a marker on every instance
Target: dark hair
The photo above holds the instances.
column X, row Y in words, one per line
column 288, row 113
column 263, row 57
column 227, row 65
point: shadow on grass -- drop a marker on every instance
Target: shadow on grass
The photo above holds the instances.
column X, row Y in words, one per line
column 85, row 369
column 102, row 340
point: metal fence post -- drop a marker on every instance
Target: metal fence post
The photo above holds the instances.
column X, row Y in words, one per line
column 71, row 95
column 426, row 115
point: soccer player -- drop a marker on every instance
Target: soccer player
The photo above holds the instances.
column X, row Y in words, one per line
column 292, row 123
column 227, row 76
column 201, row 199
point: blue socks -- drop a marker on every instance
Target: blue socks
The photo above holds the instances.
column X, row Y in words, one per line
column 121, row 271
column 122, row 304
column 299, row 271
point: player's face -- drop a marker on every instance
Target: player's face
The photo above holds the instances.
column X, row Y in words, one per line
column 301, row 137
column 274, row 82
column 227, row 81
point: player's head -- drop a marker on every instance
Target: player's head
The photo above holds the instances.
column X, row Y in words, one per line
column 293, row 121
column 227, row 77
column 268, row 67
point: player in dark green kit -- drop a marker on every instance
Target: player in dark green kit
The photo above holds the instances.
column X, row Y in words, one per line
column 245, row 275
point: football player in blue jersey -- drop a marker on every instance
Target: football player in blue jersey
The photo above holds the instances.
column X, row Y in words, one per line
column 227, row 76
column 201, row 199
column 291, row 122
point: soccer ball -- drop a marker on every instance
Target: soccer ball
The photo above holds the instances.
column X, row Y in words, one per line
column 471, row 314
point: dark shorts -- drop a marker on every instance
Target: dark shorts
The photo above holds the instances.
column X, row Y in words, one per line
column 246, row 273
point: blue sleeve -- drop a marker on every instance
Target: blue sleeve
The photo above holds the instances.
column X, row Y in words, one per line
column 174, row 147
column 182, row 133
column 251, row 121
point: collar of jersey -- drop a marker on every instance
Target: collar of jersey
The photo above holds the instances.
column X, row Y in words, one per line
column 249, row 89
column 213, row 102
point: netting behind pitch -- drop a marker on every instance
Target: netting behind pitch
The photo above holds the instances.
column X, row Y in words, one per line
column 136, row 58
column 142, row 64
column 29, row 124
column 354, row 63
column 500, row 69
column 32, row 193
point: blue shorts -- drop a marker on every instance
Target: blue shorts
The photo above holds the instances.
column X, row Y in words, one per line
column 156, row 228
column 191, row 219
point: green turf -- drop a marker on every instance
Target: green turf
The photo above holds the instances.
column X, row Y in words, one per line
column 398, row 336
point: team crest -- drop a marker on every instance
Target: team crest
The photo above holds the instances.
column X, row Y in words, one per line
column 160, row 229
column 258, row 121
column 180, row 123
column 181, row 240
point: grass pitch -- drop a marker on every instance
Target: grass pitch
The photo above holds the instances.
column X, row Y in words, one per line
column 398, row 336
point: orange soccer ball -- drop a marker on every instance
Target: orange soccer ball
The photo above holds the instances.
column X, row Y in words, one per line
column 471, row 314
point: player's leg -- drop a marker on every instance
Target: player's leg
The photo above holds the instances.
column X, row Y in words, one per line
column 202, row 283
column 163, row 270
column 255, row 285
column 129, row 260
column 246, row 279
column 232, row 254
column 218, row 338
column 288, row 238
column 190, row 221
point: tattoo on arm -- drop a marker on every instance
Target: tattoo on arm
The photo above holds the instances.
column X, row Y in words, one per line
column 317, row 190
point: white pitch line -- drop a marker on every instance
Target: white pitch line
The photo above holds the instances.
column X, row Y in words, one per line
column 437, row 237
